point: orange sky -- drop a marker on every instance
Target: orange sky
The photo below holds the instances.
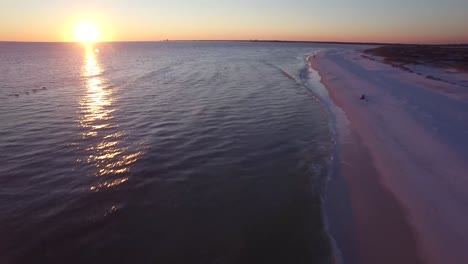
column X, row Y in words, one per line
column 333, row 20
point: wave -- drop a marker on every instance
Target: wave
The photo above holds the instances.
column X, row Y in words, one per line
column 311, row 80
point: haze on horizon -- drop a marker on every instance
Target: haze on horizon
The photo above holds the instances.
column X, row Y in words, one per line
column 398, row 21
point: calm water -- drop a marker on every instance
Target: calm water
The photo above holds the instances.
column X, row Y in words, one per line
column 194, row 152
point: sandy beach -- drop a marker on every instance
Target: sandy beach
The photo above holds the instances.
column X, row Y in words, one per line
column 404, row 157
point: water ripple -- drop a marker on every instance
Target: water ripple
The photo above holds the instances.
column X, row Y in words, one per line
column 172, row 148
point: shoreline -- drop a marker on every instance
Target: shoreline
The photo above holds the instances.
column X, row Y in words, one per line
column 352, row 153
column 384, row 225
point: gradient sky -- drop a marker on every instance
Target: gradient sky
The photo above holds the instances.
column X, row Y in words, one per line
column 404, row 21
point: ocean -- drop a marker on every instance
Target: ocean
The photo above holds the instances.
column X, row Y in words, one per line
column 162, row 152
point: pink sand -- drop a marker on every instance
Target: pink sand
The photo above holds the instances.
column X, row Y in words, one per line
column 404, row 158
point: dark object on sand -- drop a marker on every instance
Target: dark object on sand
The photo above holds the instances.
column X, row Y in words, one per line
column 363, row 97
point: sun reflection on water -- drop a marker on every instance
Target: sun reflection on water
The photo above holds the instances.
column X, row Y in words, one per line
column 105, row 144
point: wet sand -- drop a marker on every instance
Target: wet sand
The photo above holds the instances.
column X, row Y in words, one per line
column 383, row 233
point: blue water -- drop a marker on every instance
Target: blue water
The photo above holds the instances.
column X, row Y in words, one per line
column 168, row 152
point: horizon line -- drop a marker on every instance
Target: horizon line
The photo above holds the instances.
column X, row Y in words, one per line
column 250, row 40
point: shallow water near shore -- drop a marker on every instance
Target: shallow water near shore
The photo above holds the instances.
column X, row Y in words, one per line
column 172, row 152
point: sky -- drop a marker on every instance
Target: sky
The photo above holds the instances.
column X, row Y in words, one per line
column 392, row 21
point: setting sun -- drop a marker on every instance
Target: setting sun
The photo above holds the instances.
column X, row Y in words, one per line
column 87, row 32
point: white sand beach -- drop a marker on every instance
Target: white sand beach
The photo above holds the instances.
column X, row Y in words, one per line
column 404, row 157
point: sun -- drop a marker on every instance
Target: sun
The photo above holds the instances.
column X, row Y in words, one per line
column 87, row 32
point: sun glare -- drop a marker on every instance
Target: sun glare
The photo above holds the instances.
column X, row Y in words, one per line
column 87, row 32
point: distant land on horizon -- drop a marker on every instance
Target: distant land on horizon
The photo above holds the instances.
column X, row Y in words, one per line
column 260, row 41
